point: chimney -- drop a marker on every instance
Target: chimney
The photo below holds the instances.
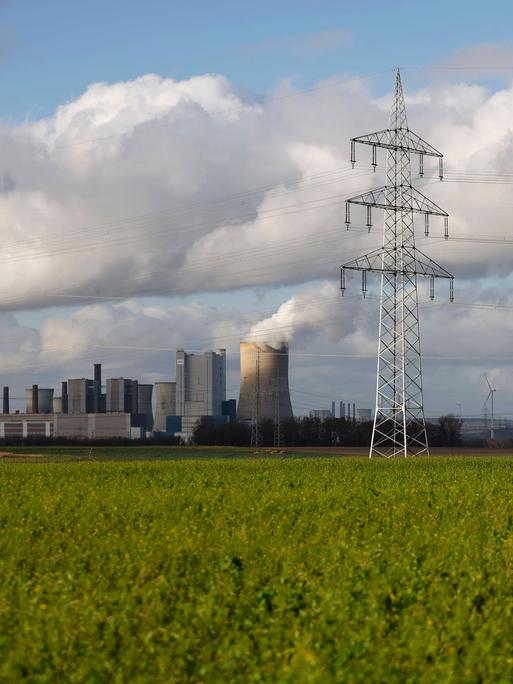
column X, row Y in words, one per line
column 354, row 412
column 97, row 391
column 333, row 409
column 35, row 399
column 6, row 400
column 64, row 395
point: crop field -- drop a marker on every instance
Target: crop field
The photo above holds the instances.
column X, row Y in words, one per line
column 257, row 569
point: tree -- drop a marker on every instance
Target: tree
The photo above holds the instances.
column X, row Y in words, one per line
column 449, row 430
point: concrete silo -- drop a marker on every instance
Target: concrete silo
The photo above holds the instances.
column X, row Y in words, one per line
column 165, row 404
column 264, row 382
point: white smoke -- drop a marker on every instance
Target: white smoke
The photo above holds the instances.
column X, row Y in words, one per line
column 315, row 312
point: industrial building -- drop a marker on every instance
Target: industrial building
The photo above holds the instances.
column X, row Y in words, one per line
column 165, row 404
column 39, row 400
column 122, row 396
column 363, row 415
column 144, row 418
column 200, row 387
column 80, row 395
column 92, row 426
column 82, row 411
column 264, row 382
column 26, row 425
column 321, row 414
column 71, row 426
column 358, row 415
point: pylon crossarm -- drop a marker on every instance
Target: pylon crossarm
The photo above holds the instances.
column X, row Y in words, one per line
column 409, row 198
column 398, row 139
column 376, row 262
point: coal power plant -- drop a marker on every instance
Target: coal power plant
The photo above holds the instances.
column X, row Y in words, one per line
column 264, row 382
column 125, row 408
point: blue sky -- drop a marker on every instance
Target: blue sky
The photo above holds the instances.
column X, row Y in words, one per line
column 54, row 49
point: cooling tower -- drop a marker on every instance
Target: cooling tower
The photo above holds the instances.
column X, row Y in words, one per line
column 165, row 404
column 264, row 380
column 44, row 400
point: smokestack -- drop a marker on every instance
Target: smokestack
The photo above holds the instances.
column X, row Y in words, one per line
column 35, row 399
column 97, row 390
column 64, row 395
column 354, row 412
column 6, row 400
column 342, row 409
column 333, row 409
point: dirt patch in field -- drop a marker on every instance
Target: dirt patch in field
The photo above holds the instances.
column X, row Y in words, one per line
column 10, row 454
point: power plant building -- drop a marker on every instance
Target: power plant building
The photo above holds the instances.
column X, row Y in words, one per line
column 264, row 382
column 39, row 400
column 74, row 426
column 165, row 404
column 80, row 395
column 144, row 406
column 200, row 386
column 92, row 426
column 363, row 415
column 321, row 414
column 122, row 396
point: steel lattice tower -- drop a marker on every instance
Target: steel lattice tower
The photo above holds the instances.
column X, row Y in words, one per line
column 399, row 425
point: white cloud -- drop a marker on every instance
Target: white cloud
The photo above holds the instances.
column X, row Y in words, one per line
column 159, row 186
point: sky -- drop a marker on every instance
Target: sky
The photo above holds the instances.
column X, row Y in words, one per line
column 173, row 174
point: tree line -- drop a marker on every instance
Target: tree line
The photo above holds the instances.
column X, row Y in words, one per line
column 314, row 432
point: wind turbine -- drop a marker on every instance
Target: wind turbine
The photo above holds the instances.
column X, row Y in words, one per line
column 490, row 396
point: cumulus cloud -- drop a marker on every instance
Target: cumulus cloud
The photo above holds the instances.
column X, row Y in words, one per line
column 174, row 187
column 185, row 187
column 159, row 186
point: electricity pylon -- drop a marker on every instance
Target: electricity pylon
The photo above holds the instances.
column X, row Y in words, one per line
column 399, row 425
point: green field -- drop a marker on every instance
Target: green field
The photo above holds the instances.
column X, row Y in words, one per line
column 314, row 569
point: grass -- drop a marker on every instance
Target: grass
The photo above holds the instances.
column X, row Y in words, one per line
column 257, row 570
